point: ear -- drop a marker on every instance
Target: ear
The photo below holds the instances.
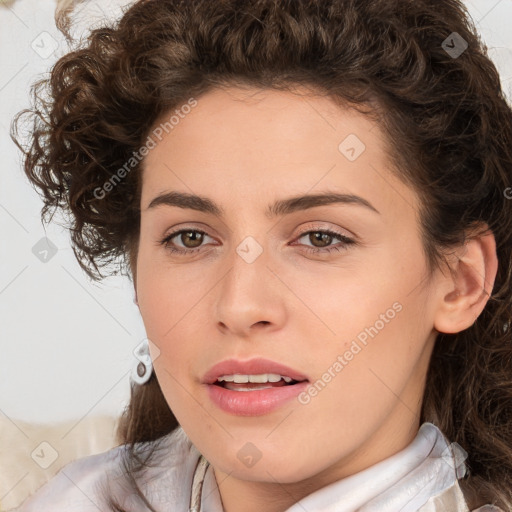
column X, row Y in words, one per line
column 465, row 292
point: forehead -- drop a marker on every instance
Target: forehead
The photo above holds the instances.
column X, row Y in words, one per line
column 254, row 141
column 262, row 116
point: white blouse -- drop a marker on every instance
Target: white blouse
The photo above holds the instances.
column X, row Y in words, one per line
column 423, row 477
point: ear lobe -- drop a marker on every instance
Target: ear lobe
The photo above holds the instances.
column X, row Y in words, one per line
column 464, row 293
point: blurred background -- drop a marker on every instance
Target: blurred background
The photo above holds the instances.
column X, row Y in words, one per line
column 66, row 343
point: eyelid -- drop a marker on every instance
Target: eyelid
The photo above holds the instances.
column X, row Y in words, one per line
column 309, row 226
column 326, row 226
column 344, row 240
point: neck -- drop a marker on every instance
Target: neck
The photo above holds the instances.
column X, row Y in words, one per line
column 240, row 495
column 247, row 496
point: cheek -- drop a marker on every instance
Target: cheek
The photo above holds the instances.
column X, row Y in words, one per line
column 164, row 293
column 379, row 315
column 345, row 299
column 169, row 303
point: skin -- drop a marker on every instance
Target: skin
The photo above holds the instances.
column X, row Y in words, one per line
column 245, row 148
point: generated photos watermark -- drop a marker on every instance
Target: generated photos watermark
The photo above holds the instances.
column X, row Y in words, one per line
column 358, row 343
column 158, row 133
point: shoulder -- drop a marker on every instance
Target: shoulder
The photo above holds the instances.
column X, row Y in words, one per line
column 79, row 486
column 75, row 487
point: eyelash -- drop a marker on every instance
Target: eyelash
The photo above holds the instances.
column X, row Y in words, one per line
column 345, row 240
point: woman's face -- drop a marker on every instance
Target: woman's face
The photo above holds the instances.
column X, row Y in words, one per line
column 355, row 319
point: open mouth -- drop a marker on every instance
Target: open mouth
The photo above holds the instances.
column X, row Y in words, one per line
column 251, row 391
column 254, row 382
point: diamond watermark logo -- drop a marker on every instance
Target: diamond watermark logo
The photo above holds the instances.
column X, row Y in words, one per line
column 44, row 250
column 352, row 147
column 454, row 45
column 249, row 455
column 44, row 45
column 44, row 455
column 249, row 250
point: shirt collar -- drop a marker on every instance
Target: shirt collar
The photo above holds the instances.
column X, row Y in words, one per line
column 427, row 467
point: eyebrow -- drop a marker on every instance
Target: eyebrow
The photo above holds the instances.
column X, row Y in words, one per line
column 276, row 209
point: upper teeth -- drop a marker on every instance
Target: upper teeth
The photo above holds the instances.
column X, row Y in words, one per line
column 265, row 377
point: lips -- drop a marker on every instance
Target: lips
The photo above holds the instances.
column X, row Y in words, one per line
column 252, row 367
column 253, row 399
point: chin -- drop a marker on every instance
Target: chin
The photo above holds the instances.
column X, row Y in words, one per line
column 278, row 469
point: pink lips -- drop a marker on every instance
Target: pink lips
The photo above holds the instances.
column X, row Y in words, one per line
column 251, row 367
column 255, row 402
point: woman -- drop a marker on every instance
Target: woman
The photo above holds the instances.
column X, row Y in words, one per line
column 311, row 199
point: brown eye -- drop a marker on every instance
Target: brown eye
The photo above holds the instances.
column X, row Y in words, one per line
column 324, row 238
column 321, row 240
column 193, row 237
column 191, row 240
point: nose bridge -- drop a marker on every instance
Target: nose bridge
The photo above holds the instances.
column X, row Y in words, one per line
column 249, row 242
column 247, row 295
column 248, row 262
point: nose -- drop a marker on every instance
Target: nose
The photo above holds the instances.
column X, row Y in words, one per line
column 250, row 298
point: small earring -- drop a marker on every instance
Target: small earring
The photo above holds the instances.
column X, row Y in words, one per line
column 143, row 369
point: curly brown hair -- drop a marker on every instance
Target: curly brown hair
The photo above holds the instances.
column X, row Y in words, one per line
column 449, row 132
